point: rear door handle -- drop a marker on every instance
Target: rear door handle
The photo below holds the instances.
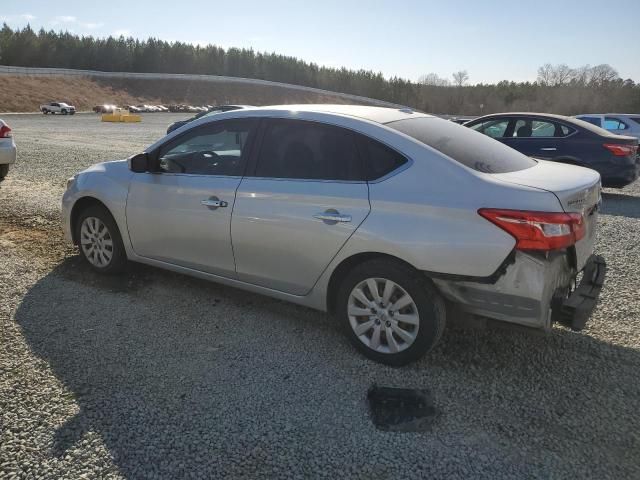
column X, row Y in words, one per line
column 332, row 217
column 213, row 203
column 549, row 149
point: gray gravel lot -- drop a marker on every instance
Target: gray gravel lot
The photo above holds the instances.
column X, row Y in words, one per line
column 157, row 375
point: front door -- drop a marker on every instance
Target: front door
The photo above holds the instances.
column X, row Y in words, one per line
column 181, row 214
column 293, row 214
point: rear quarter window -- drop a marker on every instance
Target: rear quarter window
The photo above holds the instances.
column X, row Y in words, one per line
column 462, row 144
column 379, row 160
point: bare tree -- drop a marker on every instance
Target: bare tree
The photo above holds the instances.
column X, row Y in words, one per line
column 433, row 79
column 545, row 74
column 460, row 78
column 552, row 75
column 602, row 74
column 562, row 74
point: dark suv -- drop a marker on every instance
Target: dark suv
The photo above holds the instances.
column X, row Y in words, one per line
column 567, row 140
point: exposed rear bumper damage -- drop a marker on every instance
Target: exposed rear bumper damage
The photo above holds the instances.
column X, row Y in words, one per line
column 574, row 309
column 534, row 291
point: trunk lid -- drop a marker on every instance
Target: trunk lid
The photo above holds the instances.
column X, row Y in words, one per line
column 576, row 188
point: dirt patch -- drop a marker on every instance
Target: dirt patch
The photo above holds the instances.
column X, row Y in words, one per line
column 43, row 241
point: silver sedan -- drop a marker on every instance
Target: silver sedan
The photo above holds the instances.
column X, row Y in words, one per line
column 7, row 149
column 389, row 219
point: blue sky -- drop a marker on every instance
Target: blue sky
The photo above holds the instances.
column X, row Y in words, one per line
column 492, row 39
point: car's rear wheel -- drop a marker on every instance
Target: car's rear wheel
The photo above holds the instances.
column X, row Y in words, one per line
column 100, row 241
column 4, row 170
column 391, row 313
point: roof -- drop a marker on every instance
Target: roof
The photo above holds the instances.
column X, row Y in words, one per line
column 374, row 114
column 526, row 114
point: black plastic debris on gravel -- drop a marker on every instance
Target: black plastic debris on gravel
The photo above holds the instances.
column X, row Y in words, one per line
column 401, row 409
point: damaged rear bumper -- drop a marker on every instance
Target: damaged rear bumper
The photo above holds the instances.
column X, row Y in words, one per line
column 573, row 310
column 533, row 291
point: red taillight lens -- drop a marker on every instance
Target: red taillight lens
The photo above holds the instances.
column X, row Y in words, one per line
column 5, row 131
column 538, row 230
column 621, row 150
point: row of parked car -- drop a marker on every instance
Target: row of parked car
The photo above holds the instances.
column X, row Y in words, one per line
column 110, row 108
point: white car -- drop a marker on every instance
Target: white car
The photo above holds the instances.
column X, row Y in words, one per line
column 58, row 107
column 7, row 149
column 383, row 217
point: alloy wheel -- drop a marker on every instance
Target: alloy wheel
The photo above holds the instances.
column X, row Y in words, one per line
column 383, row 315
column 96, row 242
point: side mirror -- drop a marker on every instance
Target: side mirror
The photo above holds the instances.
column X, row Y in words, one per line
column 139, row 163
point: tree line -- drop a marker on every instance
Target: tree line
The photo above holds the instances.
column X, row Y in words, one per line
column 558, row 88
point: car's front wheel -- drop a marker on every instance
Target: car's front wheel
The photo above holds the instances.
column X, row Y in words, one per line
column 391, row 313
column 100, row 241
column 64, row 112
column 4, row 170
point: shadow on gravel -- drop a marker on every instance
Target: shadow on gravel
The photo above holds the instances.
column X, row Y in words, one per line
column 182, row 377
column 620, row 205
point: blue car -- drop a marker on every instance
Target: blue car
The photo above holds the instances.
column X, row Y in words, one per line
column 566, row 140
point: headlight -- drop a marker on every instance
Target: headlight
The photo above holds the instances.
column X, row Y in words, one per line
column 70, row 182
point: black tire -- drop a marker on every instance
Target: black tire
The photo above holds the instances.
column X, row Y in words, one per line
column 45, row 111
column 430, row 305
column 64, row 112
column 4, row 170
column 119, row 255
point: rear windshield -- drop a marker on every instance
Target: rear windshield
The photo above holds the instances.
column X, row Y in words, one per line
column 464, row 145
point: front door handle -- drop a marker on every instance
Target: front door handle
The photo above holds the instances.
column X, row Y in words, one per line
column 549, row 149
column 332, row 217
column 213, row 203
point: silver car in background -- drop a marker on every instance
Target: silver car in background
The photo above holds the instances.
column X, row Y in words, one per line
column 8, row 151
column 389, row 219
column 618, row 123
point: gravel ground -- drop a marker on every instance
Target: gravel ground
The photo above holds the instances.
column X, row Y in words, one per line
column 157, row 375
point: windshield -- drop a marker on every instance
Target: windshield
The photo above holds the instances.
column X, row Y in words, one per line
column 464, row 145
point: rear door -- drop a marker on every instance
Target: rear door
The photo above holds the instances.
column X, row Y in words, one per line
column 304, row 198
column 539, row 138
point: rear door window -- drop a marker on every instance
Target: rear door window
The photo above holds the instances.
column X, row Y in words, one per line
column 308, row 150
column 462, row 144
column 593, row 120
column 525, row 127
column 611, row 123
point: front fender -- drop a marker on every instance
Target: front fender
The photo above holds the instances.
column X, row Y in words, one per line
column 109, row 184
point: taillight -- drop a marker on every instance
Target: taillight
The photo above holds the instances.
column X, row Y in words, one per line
column 5, row 131
column 538, row 230
column 620, row 149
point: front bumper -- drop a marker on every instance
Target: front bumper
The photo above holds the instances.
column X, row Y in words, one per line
column 574, row 309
